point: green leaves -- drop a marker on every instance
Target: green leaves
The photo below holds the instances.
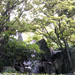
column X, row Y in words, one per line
column 59, row 18
column 34, row 47
column 28, row 7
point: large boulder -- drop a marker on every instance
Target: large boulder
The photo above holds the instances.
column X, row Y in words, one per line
column 46, row 51
column 55, row 57
column 9, row 69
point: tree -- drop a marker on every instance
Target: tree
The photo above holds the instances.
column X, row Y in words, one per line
column 60, row 16
column 8, row 27
column 53, row 19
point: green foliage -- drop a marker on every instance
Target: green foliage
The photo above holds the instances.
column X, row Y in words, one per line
column 37, row 37
column 34, row 47
column 16, row 50
column 21, row 26
column 56, row 25
column 59, row 18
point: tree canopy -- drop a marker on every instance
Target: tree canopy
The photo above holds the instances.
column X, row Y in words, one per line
column 53, row 20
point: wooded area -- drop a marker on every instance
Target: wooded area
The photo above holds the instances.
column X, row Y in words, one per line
column 53, row 24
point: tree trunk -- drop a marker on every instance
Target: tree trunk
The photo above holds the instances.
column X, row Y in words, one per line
column 68, row 54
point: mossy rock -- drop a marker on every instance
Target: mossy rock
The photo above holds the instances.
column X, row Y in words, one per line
column 9, row 70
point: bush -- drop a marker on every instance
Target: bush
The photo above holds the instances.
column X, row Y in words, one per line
column 16, row 50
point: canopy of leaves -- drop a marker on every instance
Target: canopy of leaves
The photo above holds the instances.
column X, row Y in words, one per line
column 58, row 22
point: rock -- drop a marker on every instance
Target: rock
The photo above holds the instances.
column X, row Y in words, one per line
column 43, row 46
column 9, row 69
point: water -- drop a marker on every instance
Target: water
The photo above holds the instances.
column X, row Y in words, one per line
column 33, row 66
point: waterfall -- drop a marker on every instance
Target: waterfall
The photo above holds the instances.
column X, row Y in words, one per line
column 36, row 65
column 33, row 66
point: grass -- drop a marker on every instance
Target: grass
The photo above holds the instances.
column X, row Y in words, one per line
column 32, row 74
column 23, row 74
